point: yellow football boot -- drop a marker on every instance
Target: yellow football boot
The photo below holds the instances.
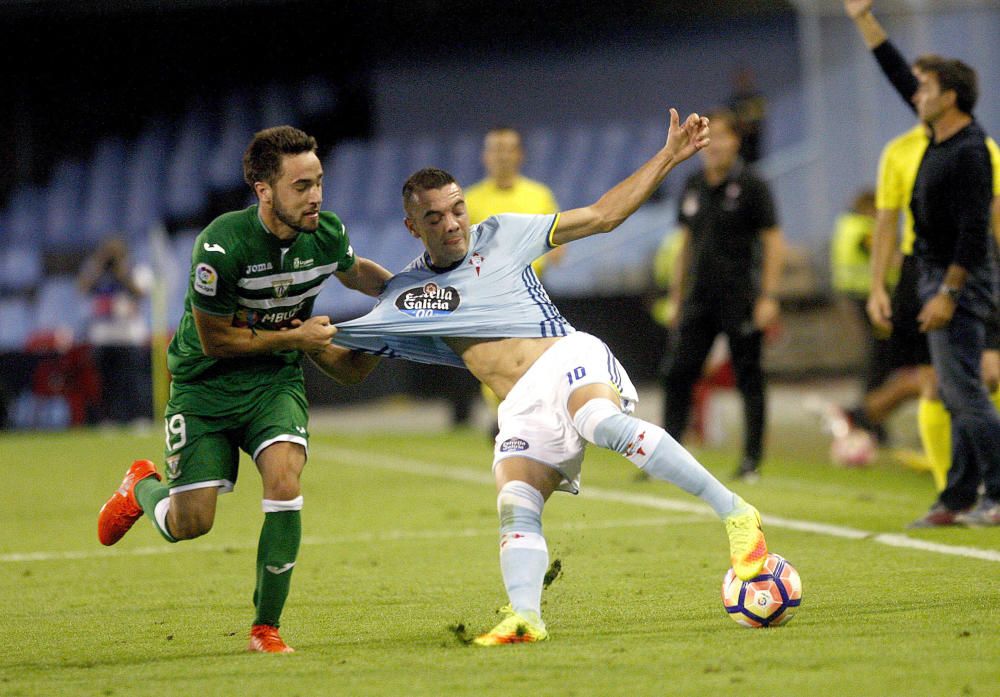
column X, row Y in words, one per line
column 514, row 629
column 747, row 547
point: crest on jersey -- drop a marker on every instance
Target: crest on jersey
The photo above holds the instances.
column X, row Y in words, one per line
column 477, row 261
column 281, row 287
column 429, row 300
column 173, row 467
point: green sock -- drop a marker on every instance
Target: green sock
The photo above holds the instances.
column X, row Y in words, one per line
column 149, row 492
column 276, row 552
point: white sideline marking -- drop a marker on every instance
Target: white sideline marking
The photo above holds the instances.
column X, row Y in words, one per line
column 385, row 536
column 360, row 458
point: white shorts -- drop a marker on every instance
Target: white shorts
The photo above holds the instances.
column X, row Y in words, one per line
column 534, row 419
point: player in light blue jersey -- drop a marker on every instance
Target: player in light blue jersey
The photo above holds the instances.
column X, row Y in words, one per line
column 472, row 299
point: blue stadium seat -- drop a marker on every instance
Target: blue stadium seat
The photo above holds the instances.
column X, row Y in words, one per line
column 24, row 213
column 423, row 151
column 20, row 267
column 186, row 183
column 275, row 107
column 345, row 172
column 15, row 323
column 608, row 160
column 540, row 146
column 61, row 215
column 574, row 167
column 464, row 159
column 61, row 305
column 103, row 200
column 316, row 96
column 144, row 180
column 225, row 170
column 385, row 178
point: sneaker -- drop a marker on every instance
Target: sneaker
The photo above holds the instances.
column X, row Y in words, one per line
column 119, row 513
column 265, row 639
column 747, row 472
column 747, row 547
column 938, row 516
column 514, row 629
column 984, row 514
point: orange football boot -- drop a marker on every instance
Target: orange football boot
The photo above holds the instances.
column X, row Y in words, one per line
column 120, row 512
column 265, row 639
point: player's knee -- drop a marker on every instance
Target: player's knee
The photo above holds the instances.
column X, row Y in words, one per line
column 191, row 525
column 519, row 506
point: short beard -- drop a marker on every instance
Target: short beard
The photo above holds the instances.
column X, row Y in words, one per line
column 281, row 215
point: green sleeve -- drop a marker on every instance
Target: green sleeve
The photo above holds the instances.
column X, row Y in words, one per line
column 214, row 274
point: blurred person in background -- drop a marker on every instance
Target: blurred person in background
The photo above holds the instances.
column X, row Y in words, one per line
column 885, row 383
column 471, row 299
column 236, row 366
column 118, row 331
column 749, row 106
column 726, row 282
column 957, row 275
column 506, row 190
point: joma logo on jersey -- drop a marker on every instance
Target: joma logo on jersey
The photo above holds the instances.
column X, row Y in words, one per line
column 281, row 287
column 429, row 300
column 256, row 268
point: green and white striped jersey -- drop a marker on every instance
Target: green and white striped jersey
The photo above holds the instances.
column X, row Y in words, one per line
column 240, row 270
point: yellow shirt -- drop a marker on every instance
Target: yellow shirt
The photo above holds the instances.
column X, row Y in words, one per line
column 897, row 171
column 485, row 198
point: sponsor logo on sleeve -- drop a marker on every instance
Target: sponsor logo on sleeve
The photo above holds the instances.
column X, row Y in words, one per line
column 513, row 445
column 206, row 280
column 429, row 300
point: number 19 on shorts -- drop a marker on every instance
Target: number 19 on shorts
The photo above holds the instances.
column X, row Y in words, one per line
column 176, row 432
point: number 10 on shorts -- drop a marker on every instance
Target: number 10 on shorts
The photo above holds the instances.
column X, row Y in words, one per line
column 577, row 373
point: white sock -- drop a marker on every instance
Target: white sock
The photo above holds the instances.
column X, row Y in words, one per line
column 524, row 556
column 652, row 450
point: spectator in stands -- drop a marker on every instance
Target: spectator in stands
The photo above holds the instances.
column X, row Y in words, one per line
column 957, row 274
column 885, row 383
column 506, row 190
column 118, row 331
column 726, row 282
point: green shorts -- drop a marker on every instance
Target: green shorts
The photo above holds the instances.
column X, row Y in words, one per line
column 203, row 451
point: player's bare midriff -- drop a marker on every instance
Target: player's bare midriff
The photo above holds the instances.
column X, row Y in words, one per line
column 499, row 363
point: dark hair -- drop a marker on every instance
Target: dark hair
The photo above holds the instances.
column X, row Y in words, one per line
column 726, row 116
column 953, row 74
column 262, row 159
column 424, row 180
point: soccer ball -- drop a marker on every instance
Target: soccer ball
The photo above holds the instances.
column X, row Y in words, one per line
column 856, row 448
column 768, row 599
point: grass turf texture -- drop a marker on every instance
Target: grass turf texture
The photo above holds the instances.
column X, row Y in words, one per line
column 397, row 567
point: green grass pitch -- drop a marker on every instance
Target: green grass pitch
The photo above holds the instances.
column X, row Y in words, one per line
column 400, row 548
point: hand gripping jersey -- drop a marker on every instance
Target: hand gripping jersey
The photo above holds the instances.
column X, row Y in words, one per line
column 240, row 270
column 491, row 293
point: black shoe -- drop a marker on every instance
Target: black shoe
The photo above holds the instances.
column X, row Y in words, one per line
column 747, row 472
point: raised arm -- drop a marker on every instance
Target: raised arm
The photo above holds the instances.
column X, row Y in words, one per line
column 611, row 210
column 890, row 60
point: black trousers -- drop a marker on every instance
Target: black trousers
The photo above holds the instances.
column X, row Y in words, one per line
column 689, row 346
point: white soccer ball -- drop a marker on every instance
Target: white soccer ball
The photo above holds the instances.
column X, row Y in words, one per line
column 767, row 600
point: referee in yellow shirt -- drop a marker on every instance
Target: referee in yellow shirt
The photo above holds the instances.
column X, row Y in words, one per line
column 506, row 190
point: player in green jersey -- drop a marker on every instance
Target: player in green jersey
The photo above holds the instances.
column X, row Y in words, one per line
column 235, row 359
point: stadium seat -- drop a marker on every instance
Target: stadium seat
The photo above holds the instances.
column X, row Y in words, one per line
column 385, row 178
column 224, row 160
column 274, row 106
column 61, row 305
column 574, row 167
column 186, row 183
column 145, row 170
column 20, row 267
column 463, row 158
column 15, row 323
column 344, row 184
column 62, row 205
column 103, row 199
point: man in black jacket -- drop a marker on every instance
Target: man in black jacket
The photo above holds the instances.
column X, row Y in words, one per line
column 957, row 273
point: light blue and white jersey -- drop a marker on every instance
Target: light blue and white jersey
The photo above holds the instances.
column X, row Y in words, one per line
column 491, row 293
